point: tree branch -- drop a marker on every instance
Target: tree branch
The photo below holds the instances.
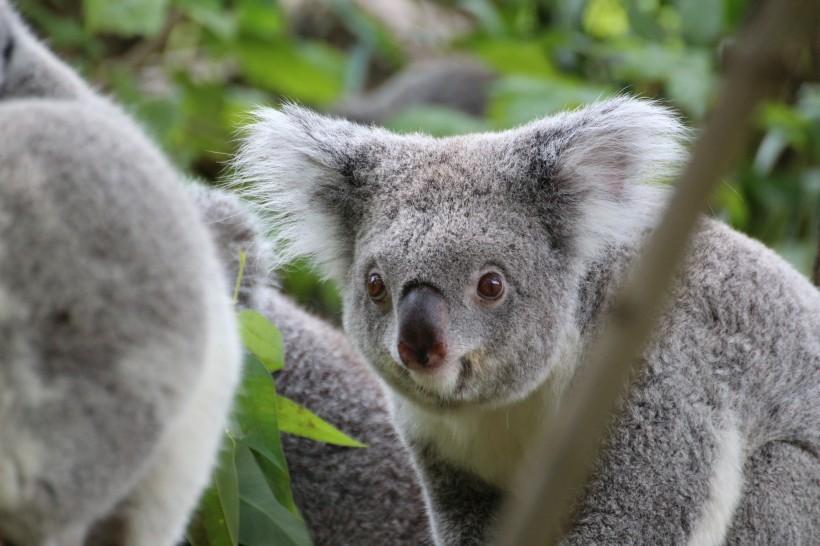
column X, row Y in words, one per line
column 537, row 513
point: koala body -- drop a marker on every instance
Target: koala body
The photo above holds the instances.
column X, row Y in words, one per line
column 348, row 496
column 118, row 346
column 475, row 270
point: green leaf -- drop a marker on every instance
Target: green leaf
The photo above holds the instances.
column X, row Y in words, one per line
column 309, row 72
column 217, row 520
column 260, row 18
column 262, row 339
column 265, row 520
column 125, row 17
column 208, row 526
column 520, row 99
column 702, row 20
column 257, row 419
column 605, row 18
column 688, row 74
column 300, row 421
column 211, row 15
column 524, row 57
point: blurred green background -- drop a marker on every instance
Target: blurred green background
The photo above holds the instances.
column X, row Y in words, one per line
column 191, row 69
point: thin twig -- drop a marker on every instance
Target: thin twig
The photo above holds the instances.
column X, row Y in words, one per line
column 537, row 514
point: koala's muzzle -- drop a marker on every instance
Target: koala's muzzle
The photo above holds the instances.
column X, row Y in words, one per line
column 423, row 318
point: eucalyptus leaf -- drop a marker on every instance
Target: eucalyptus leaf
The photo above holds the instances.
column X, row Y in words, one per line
column 217, row 520
column 265, row 520
column 309, row 72
column 300, row 421
column 262, row 339
column 256, row 417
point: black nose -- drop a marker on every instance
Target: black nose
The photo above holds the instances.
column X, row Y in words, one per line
column 423, row 318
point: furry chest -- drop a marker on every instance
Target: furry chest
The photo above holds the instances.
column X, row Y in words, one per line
column 489, row 442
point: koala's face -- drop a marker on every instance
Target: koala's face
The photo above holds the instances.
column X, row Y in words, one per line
column 459, row 259
column 458, row 289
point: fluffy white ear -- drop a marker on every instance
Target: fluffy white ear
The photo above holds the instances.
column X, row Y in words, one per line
column 604, row 158
column 308, row 174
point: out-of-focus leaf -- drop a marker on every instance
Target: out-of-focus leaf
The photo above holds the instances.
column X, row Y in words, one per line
column 261, row 18
column 605, row 18
column 309, row 72
column 518, row 99
column 304, row 284
column 264, row 520
column 436, row 121
column 798, row 253
column 300, row 421
column 211, row 15
column 527, row 57
column 687, row 74
column 730, row 205
column 217, row 520
column 487, row 13
column 125, row 17
column 370, row 32
column 702, row 20
column 262, row 339
column 769, row 151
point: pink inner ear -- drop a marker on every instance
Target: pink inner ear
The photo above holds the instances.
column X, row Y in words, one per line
column 619, row 168
column 602, row 168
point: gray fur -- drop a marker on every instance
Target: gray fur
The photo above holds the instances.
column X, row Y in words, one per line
column 559, row 208
column 118, row 350
column 348, row 496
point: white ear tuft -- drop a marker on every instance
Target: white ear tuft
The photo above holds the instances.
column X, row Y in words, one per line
column 620, row 142
column 610, row 156
column 300, row 168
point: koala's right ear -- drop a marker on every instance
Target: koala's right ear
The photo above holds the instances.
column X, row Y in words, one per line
column 309, row 175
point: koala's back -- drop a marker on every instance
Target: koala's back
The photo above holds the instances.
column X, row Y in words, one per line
column 103, row 313
column 746, row 325
column 362, row 497
column 734, row 367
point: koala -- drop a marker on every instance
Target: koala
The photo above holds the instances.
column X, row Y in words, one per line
column 475, row 271
column 118, row 346
column 348, row 496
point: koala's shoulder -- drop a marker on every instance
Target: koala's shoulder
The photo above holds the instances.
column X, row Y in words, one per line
column 742, row 274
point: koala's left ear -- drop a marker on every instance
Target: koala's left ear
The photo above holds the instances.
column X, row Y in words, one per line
column 308, row 173
column 603, row 159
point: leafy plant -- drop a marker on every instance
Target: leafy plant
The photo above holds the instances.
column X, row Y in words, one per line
column 249, row 501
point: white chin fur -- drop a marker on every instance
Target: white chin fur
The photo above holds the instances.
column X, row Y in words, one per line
column 440, row 381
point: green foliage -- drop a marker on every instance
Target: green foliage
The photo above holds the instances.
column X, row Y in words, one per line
column 250, row 491
column 191, row 69
column 262, row 339
column 249, row 501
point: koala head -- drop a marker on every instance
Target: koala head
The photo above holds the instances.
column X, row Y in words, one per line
column 460, row 259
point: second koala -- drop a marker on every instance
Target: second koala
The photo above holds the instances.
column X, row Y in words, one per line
column 118, row 346
column 476, row 269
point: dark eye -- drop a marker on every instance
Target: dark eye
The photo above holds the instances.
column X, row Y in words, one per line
column 376, row 289
column 490, row 286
